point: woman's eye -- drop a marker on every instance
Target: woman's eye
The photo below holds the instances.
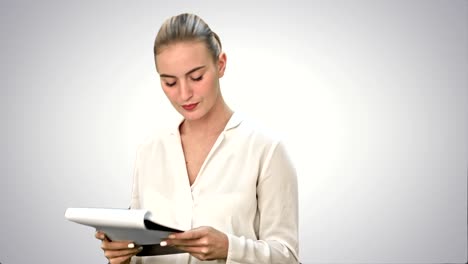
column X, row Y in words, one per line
column 198, row 78
column 170, row 84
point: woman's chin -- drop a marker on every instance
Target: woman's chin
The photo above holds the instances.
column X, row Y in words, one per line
column 191, row 116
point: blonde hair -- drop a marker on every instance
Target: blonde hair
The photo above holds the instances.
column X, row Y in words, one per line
column 187, row 27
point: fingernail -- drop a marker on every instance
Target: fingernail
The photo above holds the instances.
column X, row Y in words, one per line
column 171, row 236
column 163, row 243
column 131, row 245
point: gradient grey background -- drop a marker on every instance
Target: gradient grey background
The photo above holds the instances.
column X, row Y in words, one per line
column 370, row 96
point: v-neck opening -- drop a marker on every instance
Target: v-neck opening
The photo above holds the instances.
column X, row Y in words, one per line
column 218, row 141
column 183, row 159
column 232, row 122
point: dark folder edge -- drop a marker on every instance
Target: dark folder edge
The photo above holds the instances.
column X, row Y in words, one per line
column 154, row 226
column 153, row 250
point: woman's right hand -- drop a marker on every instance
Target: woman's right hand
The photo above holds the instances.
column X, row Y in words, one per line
column 117, row 252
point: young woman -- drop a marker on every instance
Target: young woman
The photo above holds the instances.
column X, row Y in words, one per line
column 231, row 185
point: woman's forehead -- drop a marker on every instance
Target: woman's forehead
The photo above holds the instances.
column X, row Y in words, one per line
column 181, row 57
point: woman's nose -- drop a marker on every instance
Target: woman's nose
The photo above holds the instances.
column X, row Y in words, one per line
column 185, row 91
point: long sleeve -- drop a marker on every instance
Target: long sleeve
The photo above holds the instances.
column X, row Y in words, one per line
column 277, row 198
column 135, row 198
column 246, row 188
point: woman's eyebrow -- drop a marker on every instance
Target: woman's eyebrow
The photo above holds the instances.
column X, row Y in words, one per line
column 189, row 72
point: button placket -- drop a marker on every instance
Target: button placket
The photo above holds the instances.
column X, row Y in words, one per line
column 194, row 205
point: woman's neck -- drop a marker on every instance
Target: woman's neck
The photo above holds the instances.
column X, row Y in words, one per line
column 212, row 123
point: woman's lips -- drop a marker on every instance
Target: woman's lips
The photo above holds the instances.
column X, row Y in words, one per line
column 189, row 106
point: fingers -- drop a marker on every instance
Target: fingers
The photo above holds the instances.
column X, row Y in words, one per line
column 100, row 235
column 190, row 238
column 124, row 253
column 204, row 243
column 200, row 242
column 201, row 253
column 117, row 245
column 202, row 250
column 117, row 251
column 190, row 234
column 120, row 260
column 113, row 245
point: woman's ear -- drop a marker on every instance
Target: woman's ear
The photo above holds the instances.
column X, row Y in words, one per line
column 221, row 64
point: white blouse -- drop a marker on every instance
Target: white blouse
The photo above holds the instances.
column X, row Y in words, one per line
column 246, row 188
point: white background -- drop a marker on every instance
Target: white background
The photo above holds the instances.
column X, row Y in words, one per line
column 371, row 98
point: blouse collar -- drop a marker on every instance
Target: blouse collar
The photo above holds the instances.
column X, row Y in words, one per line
column 234, row 121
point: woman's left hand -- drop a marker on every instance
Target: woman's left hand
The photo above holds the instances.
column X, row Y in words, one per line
column 204, row 243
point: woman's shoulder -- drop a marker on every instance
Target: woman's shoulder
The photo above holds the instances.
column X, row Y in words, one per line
column 162, row 135
column 257, row 131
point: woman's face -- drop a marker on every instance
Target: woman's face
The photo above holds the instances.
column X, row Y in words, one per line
column 190, row 78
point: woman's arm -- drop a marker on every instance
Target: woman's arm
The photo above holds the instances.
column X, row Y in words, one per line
column 277, row 225
column 277, row 196
column 135, row 199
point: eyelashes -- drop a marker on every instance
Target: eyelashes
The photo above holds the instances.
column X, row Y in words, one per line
column 197, row 79
column 193, row 79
